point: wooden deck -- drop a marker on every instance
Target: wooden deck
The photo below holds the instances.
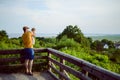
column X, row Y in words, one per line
column 57, row 64
column 22, row 76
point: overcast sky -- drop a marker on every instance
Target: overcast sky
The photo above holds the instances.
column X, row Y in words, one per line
column 52, row 16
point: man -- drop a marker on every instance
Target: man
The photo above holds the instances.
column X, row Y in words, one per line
column 28, row 49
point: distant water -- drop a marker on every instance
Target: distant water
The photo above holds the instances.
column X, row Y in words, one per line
column 112, row 37
column 16, row 35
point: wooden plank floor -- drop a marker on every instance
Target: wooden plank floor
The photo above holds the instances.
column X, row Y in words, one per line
column 22, row 76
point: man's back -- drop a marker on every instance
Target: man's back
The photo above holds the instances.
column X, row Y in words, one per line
column 27, row 40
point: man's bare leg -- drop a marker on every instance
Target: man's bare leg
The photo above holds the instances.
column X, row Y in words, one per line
column 26, row 65
column 30, row 66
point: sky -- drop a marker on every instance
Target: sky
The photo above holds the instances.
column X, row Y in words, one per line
column 52, row 16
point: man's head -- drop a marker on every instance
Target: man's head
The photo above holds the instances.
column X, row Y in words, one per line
column 25, row 28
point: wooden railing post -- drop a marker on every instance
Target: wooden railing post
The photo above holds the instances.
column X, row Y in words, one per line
column 49, row 62
column 85, row 72
column 61, row 69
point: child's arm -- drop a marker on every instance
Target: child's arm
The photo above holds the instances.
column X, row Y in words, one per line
column 33, row 33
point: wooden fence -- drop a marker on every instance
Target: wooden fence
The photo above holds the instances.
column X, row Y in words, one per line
column 60, row 65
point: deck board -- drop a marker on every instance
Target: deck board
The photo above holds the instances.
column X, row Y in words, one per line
column 22, row 76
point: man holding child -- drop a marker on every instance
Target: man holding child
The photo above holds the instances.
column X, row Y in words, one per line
column 27, row 39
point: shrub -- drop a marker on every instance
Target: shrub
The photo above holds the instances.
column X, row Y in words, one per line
column 66, row 43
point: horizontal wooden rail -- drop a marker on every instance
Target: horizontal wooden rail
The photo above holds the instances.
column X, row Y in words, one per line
column 14, row 51
column 70, row 70
column 10, row 59
column 19, row 51
column 97, row 72
column 66, row 78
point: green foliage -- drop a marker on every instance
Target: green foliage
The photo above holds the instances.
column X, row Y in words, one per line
column 12, row 43
column 66, row 43
column 75, row 33
column 95, row 58
column 101, row 58
column 70, row 32
column 97, row 45
column 15, row 41
column 6, row 45
column 108, row 42
column 37, row 43
column 90, row 40
column 3, row 45
column 3, row 35
column 46, row 42
column 115, row 56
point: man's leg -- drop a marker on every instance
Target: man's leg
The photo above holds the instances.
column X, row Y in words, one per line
column 26, row 65
column 30, row 66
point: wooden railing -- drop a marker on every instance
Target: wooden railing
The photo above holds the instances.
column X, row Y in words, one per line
column 60, row 65
column 12, row 61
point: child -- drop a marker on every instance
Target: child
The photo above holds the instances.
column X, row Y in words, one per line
column 33, row 37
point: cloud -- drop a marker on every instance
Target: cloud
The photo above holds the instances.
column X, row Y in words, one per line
column 53, row 15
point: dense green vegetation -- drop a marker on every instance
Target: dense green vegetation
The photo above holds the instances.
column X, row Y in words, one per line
column 72, row 41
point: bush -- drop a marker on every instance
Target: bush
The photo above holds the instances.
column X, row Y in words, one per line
column 101, row 58
column 3, row 45
column 66, row 43
column 93, row 57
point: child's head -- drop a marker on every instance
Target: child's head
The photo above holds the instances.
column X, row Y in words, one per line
column 33, row 29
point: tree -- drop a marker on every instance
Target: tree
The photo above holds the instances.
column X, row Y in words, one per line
column 75, row 33
column 109, row 43
column 97, row 45
column 3, row 35
column 90, row 40
column 116, row 55
column 104, row 41
column 70, row 32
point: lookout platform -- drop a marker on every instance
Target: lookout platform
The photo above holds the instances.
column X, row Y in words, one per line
column 50, row 64
column 22, row 76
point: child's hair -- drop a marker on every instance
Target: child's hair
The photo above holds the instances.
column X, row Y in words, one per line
column 33, row 29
